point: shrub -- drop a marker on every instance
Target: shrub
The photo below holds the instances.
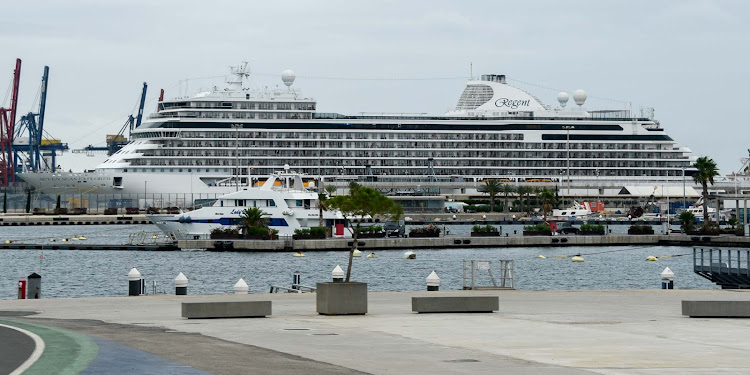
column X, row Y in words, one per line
column 430, row 229
column 259, row 231
column 318, row 230
column 302, row 231
column 592, row 228
column 221, row 230
column 483, row 228
column 537, row 228
column 641, row 229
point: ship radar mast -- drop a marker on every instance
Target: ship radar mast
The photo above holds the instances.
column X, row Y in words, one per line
column 288, row 77
column 238, row 73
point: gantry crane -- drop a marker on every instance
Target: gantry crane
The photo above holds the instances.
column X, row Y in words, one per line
column 7, row 127
column 32, row 153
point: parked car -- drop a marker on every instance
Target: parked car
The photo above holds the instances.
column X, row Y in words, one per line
column 567, row 228
column 395, row 229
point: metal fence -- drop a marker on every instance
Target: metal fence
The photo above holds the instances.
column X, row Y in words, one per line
column 488, row 274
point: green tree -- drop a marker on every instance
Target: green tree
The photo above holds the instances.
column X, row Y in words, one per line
column 331, row 190
column 491, row 187
column 360, row 202
column 322, row 202
column 687, row 221
column 548, row 199
column 706, row 170
column 507, row 189
column 523, row 191
column 252, row 217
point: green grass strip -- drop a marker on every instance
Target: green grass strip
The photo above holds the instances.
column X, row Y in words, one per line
column 65, row 352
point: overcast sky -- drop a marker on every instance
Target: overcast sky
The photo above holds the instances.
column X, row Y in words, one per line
column 687, row 59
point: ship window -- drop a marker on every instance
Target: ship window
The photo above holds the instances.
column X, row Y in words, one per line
column 125, row 170
column 180, row 170
column 153, row 169
column 171, row 169
column 222, row 203
column 162, row 170
column 117, row 181
column 190, row 169
column 271, row 203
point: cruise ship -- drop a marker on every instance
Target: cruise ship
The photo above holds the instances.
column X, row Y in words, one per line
column 225, row 139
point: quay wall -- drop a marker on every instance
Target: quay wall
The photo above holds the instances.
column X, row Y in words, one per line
column 465, row 242
column 23, row 220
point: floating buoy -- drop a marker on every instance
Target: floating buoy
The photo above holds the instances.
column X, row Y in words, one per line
column 542, row 257
column 577, row 259
column 154, row 236
column 7, row 241
column 652, row 258
column 356, row 253
column 371, row 255
column 298, row 254
column 52, row 240
column 81, row 238
column 74, row 238
column 64, row 240
column 410, row 255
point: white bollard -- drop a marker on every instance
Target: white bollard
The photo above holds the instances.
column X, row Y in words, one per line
column 433, row 282
column 180, row 285
column 338, row 274
column 134, row 282
column 667, row 279
column 241, row 287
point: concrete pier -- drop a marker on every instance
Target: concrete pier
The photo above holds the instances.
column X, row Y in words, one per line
column 449, row 242
column 24, row 220
column 535, row 332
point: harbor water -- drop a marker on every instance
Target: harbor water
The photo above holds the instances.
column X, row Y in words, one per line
column 70, row 273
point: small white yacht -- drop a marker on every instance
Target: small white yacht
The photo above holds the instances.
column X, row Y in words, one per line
column 283, row 196
column 577, row 211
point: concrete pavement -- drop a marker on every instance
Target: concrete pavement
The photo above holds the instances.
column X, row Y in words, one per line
column 535, row 332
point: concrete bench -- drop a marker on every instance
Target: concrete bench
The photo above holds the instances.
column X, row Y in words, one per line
column 450, row 304
column 716, row 309
column 226, row 309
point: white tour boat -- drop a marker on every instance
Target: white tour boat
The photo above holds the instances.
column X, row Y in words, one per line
column 283, row 196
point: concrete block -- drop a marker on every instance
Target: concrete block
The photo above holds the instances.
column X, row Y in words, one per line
column 226, row 309
column 716, row 309
column 451, row 304
column 341, row 298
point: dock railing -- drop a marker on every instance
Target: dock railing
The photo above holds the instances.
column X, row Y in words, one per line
column 729, row 268
column 488, row 274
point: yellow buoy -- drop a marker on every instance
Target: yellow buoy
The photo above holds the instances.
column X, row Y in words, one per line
column 64, row 240
column 154, row 236
column 52, row 240
column 652, row 258
column 356, row 253
column 542, row 257
column 371, row 255
column 577, row 259
column 81, row 238
column 298, row 254
column 74, row 238
column 7, row 241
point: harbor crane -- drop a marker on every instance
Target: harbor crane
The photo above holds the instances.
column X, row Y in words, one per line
column 30, row 146
column 7, row 127
column 116, row 141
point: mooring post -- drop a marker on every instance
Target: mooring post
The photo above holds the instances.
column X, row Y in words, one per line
column 180, row 285
column 433, row 282
column 338, row 274
column 667, row 279
column 134, row 282
column 241, row 287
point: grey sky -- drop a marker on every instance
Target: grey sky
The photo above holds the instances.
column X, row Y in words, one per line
column 688, row 59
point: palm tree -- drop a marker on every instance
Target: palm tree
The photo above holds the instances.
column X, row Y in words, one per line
column 523, row 190
column 706, row 170
column 506, row 189
column 322, row 201
column 331, row 190
column 548, row 200
column 491, row 187
column 252, row 217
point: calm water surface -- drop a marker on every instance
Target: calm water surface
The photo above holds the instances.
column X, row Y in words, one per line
column 104, row 273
